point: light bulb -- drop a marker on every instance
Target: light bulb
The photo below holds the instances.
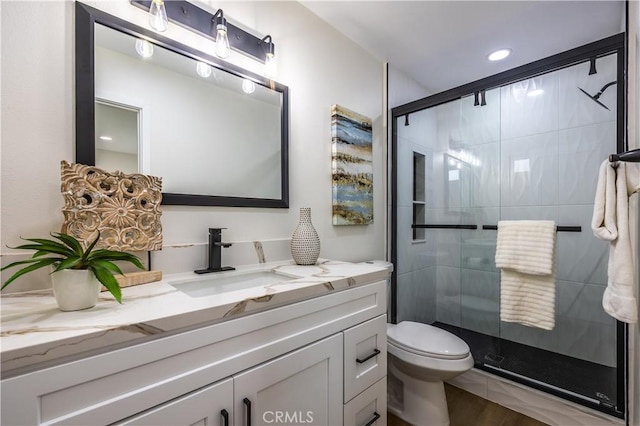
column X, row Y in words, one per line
column 270, row 68
column 144, row 48
column 222, row 42
column 158, row 16
column 203, row 70
column 248, row 86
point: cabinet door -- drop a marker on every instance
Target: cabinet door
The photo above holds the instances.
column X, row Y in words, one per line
column 202, row 408
column 302, row 387
column 369, row 408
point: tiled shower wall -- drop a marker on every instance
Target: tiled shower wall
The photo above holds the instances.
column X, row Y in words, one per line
column 523, row 157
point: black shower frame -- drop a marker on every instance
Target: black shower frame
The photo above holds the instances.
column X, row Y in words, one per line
column 613, row 44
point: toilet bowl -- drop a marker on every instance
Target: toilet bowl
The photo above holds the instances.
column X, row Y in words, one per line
column 420, row 358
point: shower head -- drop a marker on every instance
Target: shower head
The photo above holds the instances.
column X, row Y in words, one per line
column 595, row 97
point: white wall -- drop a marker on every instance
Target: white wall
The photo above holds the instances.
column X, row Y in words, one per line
column 403, row 89
column 320, row 66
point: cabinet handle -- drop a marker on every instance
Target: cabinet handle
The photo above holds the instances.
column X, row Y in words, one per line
column 247, row 404
column 225, row 416
column 375, row 352
column 376, row 416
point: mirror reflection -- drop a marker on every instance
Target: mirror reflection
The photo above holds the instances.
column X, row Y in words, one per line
column 117, row 137
column 166, row 113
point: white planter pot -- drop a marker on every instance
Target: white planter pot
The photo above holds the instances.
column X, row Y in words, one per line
column 75, row 289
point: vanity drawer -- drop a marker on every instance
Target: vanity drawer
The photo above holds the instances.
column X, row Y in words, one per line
column 369, row 408
column 204, row 407
column 365, row 355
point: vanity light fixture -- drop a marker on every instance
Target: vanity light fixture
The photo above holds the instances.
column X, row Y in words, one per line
column 158, row 16
column 144, row 48
column 223, row 50
column 203, row 70
column 270, row 59
column 214, row 26
column 499, row 55
column 106, row 138
column 248, row 86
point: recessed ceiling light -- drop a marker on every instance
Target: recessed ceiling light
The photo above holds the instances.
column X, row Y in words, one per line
column 106, row 138
column 499, row 54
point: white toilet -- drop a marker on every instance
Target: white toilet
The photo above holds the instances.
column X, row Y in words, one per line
column 420, row 358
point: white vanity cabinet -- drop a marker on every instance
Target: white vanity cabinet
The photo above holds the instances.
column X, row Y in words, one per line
column 297, row 388
column 288, row 363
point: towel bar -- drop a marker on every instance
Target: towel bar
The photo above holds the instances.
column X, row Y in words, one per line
column 423, row 226
column 632, row 156
column 558, row 229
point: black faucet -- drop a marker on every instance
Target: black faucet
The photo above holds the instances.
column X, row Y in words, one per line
column 215, row 253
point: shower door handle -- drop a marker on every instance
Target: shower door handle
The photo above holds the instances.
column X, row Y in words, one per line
column 375, row 353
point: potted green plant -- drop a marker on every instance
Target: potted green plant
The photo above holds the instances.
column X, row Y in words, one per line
column 77, row 273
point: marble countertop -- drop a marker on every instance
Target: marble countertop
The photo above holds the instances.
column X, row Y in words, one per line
column 34, row 333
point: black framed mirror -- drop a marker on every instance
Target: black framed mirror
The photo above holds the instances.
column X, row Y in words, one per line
column 228, row 148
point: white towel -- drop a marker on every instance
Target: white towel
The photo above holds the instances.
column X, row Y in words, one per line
column 526, row 246
column 527, row 299
column 610, row 222
column 525, row 254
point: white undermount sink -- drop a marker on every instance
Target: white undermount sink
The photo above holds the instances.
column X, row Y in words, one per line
column 212, row 284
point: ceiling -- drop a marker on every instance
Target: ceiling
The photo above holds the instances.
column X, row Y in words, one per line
column 444, row 44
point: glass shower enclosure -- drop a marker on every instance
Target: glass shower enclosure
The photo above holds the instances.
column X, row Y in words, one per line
column 524, row 144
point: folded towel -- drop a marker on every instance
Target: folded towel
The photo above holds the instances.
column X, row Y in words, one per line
column 528, row 299
column 525, row 254
column 526, row 246
column 610, row 222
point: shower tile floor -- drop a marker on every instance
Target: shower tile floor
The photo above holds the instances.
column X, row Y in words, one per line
column 577, row 376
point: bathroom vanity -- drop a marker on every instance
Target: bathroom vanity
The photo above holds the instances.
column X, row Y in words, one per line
column 305, row 350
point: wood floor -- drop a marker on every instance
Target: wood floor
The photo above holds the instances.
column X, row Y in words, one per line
column 467, row 409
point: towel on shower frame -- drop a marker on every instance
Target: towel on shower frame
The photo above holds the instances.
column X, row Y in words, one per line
column 525, row 254
column 526, row 246
column 610, row 222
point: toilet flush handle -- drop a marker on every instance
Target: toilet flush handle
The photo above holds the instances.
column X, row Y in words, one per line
column 361, row 361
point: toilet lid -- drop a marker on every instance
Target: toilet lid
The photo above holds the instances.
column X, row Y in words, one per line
column 427, row 340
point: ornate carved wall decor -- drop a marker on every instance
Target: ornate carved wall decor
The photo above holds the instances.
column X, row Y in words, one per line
column 124, row 208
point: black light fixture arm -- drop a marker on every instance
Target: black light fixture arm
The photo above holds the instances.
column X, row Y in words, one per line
column 192, row 17
column 218, row 18
column 271, row 49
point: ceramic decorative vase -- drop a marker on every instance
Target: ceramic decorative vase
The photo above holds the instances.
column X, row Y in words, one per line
column 75, row 289
column 305, row 244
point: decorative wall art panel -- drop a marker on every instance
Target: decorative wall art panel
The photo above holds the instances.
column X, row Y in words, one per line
column 124, row 208
column 352, row 167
